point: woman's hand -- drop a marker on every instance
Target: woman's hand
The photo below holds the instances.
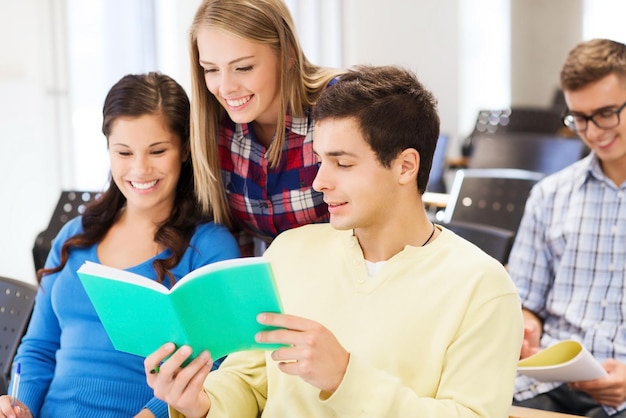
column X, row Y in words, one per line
column 8, row 410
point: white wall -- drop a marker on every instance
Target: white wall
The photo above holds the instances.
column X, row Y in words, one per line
column 420, row 35
column 31, row 157
column 424, row 35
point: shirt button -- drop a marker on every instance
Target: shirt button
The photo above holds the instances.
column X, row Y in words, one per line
column 614, row 229
column 604, row 303
column 611, row 267
column 596, row 326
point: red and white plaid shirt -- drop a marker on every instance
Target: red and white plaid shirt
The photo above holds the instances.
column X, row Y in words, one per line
column 265, row 201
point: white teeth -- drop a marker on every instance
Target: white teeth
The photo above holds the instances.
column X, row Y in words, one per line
column 239, row 102
column 605, row 142
column 143, row 186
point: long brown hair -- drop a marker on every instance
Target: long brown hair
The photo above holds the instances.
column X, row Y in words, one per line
column 136, row 95
column 263, row 21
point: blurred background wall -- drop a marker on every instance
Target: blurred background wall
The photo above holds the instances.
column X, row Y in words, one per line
column 58, row 59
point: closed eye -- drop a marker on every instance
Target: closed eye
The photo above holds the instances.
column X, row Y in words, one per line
column 606, row 113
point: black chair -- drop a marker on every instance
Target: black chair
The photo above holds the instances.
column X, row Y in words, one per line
column 71, row 204
column 16, row 304
column 493, row 197
column 526, row 151
column 520, row 119
column 496, row 242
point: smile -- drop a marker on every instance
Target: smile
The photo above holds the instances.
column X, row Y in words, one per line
column 143, row 185
column 604, row 142
column 238, row 102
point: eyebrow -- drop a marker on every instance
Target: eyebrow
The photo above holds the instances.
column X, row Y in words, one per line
column 594, row 111
column 336, row 153
column 121, row 144
column 235, row 61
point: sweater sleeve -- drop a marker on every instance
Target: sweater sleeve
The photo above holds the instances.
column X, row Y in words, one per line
column 38, row 348
column 472, row 365
column 157, row 407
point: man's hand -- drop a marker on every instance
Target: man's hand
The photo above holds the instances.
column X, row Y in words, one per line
column 533, row 329
column 180, row 387
column 611, row 390
column 314, row 354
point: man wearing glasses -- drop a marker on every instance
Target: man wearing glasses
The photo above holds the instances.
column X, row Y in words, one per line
column 568, row 260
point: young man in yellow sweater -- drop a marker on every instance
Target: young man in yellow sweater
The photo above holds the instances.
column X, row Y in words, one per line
column 386, row 314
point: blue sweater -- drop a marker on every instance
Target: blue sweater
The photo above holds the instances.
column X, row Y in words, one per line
column 69, row 366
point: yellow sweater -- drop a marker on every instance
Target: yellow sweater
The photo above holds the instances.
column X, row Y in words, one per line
column 435, row 333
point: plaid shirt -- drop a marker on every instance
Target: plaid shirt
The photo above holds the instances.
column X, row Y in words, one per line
column 568, row 263
column 267, row 201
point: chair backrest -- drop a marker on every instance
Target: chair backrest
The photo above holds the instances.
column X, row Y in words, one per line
column 71, row 204
column 496, row 242
column 493, row 197
column 16, row 304
column 436, row 181
column 519, row 119
column 533, row 152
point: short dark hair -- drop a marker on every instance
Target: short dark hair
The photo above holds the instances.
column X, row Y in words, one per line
column 591, row 61
column 392, row 109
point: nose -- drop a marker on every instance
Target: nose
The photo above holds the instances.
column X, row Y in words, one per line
column 141, row 164
column 593, row 132
column 321, row 182
column 227, row 84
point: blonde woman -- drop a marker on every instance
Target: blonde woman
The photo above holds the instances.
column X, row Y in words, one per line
column 252, row 91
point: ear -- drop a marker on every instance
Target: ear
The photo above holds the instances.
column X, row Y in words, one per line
column 409, row 164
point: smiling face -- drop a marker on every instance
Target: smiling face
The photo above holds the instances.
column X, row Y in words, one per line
column 609, row 144
column 356, row 186
column 241, row 74
column 146, row 159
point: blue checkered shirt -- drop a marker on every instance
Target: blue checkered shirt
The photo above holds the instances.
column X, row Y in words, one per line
column 568, row 262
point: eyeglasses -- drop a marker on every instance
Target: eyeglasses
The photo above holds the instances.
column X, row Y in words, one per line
column 603, row 119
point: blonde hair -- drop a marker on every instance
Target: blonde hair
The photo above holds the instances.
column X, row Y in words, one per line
column 264, row 21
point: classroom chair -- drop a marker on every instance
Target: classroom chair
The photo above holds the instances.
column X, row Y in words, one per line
column 16, row 304
column 71, row 203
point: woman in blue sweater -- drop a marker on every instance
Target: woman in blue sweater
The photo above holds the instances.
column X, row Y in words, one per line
column 147, row 222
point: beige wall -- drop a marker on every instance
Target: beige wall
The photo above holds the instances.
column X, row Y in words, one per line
column 542, row 33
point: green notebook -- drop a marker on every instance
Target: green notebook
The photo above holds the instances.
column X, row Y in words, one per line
column 212, row 308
